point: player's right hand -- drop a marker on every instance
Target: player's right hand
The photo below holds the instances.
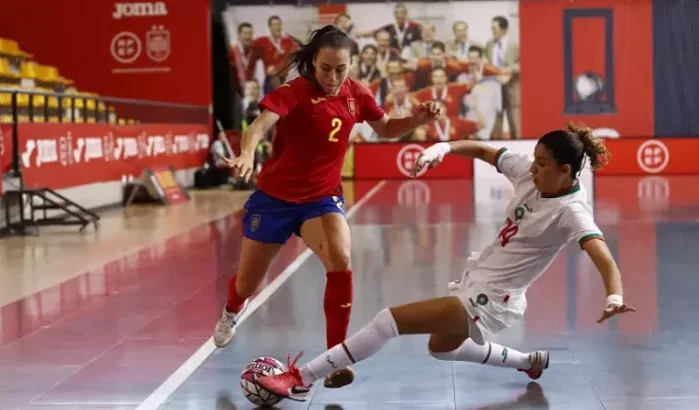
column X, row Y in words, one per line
column 431, row 157
column 242, row 166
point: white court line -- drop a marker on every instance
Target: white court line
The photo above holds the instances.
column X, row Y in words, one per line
column 163, row 392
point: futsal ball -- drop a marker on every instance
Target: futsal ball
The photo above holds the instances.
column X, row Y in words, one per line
column 253, row 391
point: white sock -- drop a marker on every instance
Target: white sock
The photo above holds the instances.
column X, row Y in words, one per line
column 363, row 344
column 489, row 353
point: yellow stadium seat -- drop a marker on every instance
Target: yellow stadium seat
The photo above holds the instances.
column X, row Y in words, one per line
column 51, row 78
column 11, row 48
column 30, row 69
column 6, row 70
column 5, row 105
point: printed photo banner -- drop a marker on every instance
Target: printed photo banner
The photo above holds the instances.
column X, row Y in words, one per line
column 66, row 155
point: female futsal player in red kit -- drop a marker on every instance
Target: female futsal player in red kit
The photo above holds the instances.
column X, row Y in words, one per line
column 300, row 188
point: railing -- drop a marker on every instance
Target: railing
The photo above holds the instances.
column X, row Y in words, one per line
column 27, row 106
column 41, row 106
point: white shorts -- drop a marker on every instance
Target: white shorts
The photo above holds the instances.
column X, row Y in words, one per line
column 490, row 311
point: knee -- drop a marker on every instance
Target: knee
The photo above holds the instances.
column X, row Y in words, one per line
column 435, row 346
column 444, row 347
column 337, row 258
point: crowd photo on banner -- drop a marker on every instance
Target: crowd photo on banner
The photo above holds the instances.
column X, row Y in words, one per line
column 463, row 55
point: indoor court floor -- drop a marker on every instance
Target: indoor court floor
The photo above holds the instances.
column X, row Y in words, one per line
column 122, row 318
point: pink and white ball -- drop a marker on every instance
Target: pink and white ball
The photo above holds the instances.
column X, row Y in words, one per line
column 262, row 366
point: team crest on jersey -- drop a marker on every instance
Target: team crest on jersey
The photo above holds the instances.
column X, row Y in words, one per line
column 255, row 222
column 351, row 106
column 521, row 211
column 482, row 299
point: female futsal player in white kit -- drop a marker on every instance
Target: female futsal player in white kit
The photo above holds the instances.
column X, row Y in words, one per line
column 548, row 209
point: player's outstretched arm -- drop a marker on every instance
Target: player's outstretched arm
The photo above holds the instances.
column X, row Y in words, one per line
column 434, row 155
column 243, row 164
column 387, row 127
column 604, row 262
column 254, row 133
column 475, row 150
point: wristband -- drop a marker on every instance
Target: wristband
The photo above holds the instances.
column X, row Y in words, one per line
column 443, row 147
column 615, row 300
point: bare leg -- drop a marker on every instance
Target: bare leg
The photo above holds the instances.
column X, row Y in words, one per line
column 255, row 259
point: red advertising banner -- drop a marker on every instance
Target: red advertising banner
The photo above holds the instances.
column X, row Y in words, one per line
column 5, row 148
column 66, row 155
column 5, row 152
column 667, row 156
column 395, row 160
column 153, row 50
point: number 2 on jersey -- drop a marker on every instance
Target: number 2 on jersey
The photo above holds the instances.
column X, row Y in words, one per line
column 337, row 124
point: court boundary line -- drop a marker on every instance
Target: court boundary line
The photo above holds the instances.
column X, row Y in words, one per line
column 163, row 392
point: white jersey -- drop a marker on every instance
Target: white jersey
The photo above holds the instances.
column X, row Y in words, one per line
column 535, row 229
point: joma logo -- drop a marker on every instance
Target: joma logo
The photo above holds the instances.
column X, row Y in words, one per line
column 122, row 10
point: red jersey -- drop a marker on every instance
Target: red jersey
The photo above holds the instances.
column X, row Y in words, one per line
column 274, row 53
column 452, row 129
column 452, row 66
column 312, row 137
column 403, row 36
column 244, row 60
column 451, row 95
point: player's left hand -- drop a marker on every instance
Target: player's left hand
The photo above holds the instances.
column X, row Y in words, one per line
column 615, row 309
column 427, row 112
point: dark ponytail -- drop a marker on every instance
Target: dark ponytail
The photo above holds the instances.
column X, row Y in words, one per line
column 573, row 145
column 302, row 59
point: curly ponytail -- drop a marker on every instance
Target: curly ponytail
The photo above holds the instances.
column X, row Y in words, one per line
column 593, row 147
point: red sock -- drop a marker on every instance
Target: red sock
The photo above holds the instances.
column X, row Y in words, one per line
column 338, row 306
column 234, row 302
